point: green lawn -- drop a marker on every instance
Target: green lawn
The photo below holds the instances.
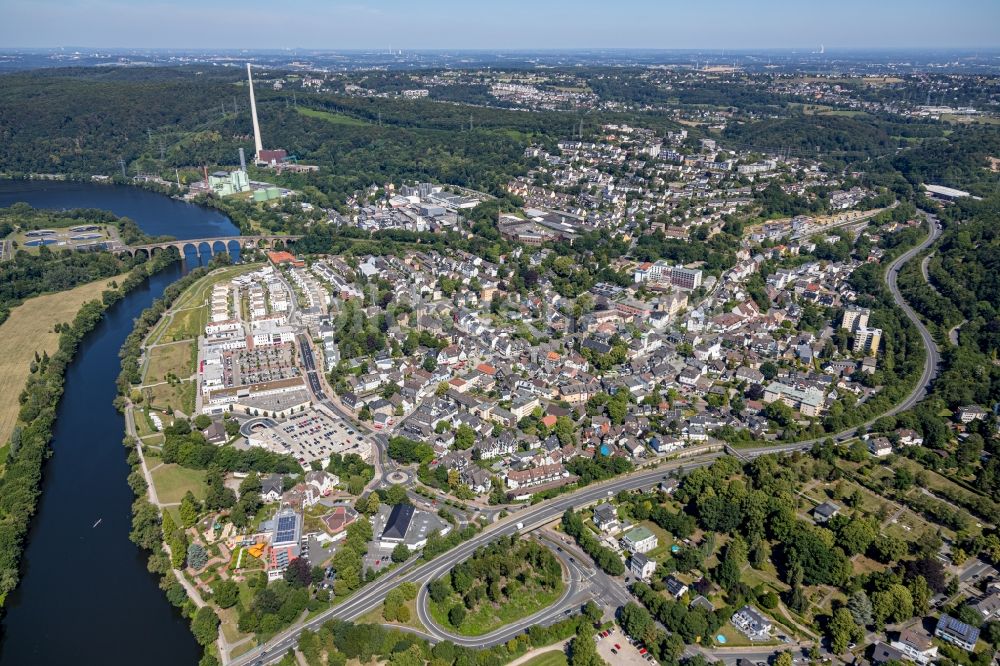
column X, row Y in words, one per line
column 186, row 325
column 197, row 294
column 553, row 658
column 178, row 359
column 179, row 395
column 335, row 118
column 173, row 481
column 486, row 617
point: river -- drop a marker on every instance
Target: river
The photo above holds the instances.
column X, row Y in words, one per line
column 86, row 596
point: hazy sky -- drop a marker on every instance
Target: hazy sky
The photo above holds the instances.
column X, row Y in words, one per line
column 352, row 24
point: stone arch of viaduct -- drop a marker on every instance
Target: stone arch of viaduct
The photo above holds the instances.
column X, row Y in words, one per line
column 213, row 245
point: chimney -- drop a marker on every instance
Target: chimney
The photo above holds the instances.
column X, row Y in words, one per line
column 243, row 160
column 253, row 114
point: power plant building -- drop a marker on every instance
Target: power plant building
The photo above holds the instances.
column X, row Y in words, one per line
column 227, row 183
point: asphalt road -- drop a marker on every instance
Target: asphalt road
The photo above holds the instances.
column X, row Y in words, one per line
column 568, row 603
column 383, row 466
column 932, row 359
column 534, row 517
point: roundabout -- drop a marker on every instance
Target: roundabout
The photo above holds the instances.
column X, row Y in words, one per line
column 398, row 477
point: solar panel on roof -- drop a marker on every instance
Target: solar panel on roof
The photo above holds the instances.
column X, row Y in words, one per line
column 957, row 625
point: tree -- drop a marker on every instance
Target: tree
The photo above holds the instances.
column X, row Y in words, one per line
column 394, row 602
column 854, row 534
column 783, row 659
column 226, row 593
column 592, row 612
column 635, row 619
column 860, row 607
column 189, row 509
column 843, row 630
column 372, row 503
column 892, row 605
column 400, row 553
column 298, row 573
column 888, row 548
column 202, row 421
column 465, row 437
column 178, row 543
column 456, row 615
column 196, row 556
column 921, row 593
column 205, row 626
column 439, row 589
column 769, row 370
column 395, row 494
column 582, row 649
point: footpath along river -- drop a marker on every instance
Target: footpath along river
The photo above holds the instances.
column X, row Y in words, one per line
column 86, row 596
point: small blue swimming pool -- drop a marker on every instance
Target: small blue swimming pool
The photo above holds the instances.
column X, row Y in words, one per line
column 675, row 548
column 720, row 639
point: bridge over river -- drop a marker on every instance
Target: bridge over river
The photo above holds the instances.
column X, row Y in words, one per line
column 212, row 245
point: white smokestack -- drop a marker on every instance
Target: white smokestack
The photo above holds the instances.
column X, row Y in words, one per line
column 253, row 114
column 243, row 160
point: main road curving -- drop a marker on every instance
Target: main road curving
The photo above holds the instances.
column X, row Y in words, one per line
column 564, row 605
column 534, row 517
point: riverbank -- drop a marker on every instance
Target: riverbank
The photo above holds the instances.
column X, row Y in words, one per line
column 30, row 330
column 64, row 608
column 31, row 433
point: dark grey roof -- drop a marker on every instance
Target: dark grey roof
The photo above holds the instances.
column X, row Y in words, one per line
column 398, row 522
column 884, row 653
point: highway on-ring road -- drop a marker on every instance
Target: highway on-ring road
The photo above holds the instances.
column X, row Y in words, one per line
column 534, row 517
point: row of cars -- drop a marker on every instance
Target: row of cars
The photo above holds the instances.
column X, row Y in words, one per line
column 634, row 652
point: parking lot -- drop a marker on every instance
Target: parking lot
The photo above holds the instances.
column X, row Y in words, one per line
column 312, row 435
column 616, row 649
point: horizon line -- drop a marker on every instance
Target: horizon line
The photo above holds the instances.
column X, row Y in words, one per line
column 480, row 49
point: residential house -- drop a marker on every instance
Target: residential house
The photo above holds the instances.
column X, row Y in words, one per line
column 908, row 437
column 970, row 413
column 957, row 632
column 879, row 446
column 883, row 654
column 641, row 566
column 605, row 517
column 988, row 606
column 675, row 587
column 752, row 623
column 824, row 512
column 271, row 487
column 639, row 540
column 916, row 645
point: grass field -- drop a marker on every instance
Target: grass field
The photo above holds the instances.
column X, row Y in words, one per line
column 173, row 481
column 335, row 118
column 29, row 329
column 486, row 617
column 185, row 325
column 176, row 358
column 375, row 617
column 197, row 294
column 553, row 658
column 178, row 395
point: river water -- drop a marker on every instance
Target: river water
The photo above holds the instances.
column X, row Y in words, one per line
column 86, row 596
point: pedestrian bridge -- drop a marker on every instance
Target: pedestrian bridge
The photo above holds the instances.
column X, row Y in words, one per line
column 213, row 245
